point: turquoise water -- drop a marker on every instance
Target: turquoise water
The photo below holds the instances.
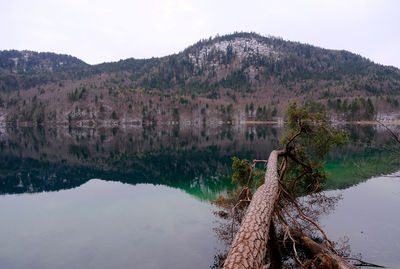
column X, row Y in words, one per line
column 140, row 198
column 106, row 225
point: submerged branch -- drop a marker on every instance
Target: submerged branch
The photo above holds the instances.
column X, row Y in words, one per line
column 363, row 263
column 324, row 257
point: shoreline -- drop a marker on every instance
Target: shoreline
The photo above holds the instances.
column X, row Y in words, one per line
column 113, row 124
column 362, row 122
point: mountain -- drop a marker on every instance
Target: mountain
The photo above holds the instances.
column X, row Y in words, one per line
column 242, row 76
column 26, row 69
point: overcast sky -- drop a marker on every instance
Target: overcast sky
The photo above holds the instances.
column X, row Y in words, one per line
column 110, row 30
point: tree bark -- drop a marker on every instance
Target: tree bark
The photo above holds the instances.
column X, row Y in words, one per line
column 326, row 257
column 249, row 247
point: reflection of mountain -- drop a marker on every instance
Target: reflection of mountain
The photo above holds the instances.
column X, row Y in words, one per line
column 34, row 160
column 195, row 160
column 372, row 152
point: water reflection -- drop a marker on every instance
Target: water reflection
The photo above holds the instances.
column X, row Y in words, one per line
column 196, row 160
column 368, row 216
column 46, row 159
column 370, row 152
column 106, row 225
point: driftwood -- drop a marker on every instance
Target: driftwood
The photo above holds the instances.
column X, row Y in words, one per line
column 249, row 247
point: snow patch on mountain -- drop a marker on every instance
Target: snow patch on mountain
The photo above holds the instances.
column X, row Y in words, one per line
column 240, row 47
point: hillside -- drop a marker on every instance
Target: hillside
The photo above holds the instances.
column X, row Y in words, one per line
column 27, row 69
column 242, row 76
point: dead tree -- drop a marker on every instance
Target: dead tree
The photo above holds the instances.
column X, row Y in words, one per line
column 307, row 141
column 249, row 247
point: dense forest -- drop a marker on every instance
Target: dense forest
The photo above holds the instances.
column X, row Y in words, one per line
column 231, row 78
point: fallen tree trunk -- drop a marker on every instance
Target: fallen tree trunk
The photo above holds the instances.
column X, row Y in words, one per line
column 249, row 247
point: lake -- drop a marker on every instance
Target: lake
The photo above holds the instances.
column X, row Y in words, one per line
column 133, row 197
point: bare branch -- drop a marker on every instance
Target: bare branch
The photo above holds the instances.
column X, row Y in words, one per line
column 363, row 263
column 393, row 135
column 307, row 218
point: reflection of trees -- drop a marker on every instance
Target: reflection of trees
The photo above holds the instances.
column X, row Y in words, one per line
column 48, row 159
column 301, row 216
column 307, row 140
column 59, row 158
column 371, row 152
column 30, row 175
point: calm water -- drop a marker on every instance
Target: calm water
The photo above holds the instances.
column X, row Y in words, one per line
column 140, row 198
column 106, row 225
column 369, row 216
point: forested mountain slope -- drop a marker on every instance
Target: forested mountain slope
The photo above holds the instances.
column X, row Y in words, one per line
column 235, row 77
